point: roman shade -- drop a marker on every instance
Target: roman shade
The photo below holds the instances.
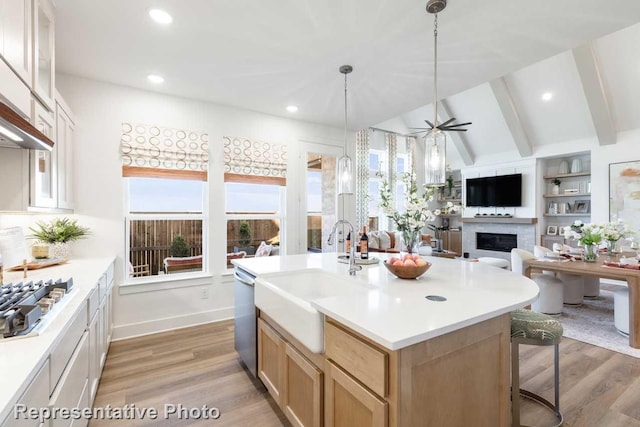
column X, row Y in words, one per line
column 252, row 161
column 153, row 151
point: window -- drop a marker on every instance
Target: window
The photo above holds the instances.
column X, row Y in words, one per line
column 255, row 179
column 165, row 177
column 255, row 214
column 165, row 225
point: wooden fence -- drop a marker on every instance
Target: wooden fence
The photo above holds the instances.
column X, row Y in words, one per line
column 151, row 239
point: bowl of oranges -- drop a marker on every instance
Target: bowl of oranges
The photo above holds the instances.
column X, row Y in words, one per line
column 408, row 266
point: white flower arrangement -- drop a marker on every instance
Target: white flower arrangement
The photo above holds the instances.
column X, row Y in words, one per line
column 416, row 212
column 614, row 231
column 595, row 233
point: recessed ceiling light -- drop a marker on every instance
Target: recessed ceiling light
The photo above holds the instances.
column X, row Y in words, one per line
column 160, row 16
column 292, row 108
column 547, row 96
column 153, row 78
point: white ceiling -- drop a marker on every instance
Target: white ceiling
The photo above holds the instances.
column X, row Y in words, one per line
column 263, row 55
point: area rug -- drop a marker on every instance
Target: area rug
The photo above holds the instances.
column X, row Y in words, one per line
column 592, row 322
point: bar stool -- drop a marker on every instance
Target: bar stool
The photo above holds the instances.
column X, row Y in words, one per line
column 532, row 328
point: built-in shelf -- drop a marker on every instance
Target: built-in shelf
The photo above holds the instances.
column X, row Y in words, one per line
column 552, row 196
column 567, row 175
column 569, row 214
column 496, row 219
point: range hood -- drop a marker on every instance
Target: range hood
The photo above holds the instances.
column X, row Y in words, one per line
column 16, row 132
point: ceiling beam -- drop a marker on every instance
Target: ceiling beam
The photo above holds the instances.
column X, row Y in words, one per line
column 511, row 117
column 594, row 92
column 458, row 139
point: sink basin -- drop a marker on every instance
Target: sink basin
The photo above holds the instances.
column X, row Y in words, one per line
column 286, row 298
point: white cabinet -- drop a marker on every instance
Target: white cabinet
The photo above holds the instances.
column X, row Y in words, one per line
column 99, row 328
column 35, row 396
column 43, row 85
column 16, row 36
column 64, row 147
column 43, row 176
column 71, row 389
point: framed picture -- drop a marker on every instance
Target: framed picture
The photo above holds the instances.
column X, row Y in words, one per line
column 552, row 230
column 581, row 206
column 624, row 193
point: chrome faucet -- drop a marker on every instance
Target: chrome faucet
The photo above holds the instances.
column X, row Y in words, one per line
column 353, row 267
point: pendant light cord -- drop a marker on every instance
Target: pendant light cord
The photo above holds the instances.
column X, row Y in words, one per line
column 345, row 113
column 435, row 71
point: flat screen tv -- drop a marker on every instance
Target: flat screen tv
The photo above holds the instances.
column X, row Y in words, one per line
column 495, row 191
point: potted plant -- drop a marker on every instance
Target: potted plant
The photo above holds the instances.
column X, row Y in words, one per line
column 179, row 247
column 556, row 186
column 244, row 238
column 58, row 233
column 450, row 185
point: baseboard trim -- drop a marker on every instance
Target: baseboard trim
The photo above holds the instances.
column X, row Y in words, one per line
column 132, row 330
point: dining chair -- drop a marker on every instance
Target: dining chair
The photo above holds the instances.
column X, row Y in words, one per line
column 551, row 288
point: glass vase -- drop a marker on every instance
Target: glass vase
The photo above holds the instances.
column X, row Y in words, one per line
column 611, row 246
column 590, row 253
column 410, row 241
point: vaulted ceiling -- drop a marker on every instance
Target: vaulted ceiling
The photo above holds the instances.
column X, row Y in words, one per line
column 496, row 58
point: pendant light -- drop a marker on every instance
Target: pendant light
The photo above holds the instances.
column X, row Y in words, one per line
column 436, row 139
column 345, row 164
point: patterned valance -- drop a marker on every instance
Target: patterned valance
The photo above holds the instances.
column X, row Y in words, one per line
column 246, row 160
column 156, row 151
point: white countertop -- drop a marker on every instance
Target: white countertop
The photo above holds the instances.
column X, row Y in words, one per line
column 394, row 312
column 21, row 358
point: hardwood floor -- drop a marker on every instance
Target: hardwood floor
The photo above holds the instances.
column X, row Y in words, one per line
column 194, row 367
column 198, row 366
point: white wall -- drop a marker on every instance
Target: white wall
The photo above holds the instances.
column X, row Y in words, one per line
column 627, row 149
column 100, row 108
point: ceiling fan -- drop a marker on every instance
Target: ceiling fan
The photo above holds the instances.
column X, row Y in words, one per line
column 435, row 6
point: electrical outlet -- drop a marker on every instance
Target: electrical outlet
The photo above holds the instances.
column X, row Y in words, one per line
column 204, row 293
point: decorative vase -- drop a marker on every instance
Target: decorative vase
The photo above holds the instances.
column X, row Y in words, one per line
column 410, row 240
column 40, row 250
column 555, row 189
column 611, row 245
column 564, row 167
column 590, row 253
column 60, row 250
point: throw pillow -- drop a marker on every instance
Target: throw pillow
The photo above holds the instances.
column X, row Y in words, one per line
column 374, row 240
column 264, row 250
column 385, row 240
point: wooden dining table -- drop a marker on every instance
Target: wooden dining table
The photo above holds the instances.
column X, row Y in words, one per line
column 598, row 269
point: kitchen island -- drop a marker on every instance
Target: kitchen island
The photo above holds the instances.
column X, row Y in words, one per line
column 392, row 357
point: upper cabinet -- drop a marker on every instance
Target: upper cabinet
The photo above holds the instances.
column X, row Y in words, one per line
column 16, row 36
column 34, row 180
column 44, row 53
column 43, row 177
column 65, row 129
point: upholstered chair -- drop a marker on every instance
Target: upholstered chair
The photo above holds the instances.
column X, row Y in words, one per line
column 621, row 310
column 551, row 289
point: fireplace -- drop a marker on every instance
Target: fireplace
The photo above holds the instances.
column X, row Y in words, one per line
column 499, row 242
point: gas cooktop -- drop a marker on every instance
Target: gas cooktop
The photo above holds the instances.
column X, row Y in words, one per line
column 25, row 306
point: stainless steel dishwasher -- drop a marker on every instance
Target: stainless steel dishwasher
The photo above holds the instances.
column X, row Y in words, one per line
column 245, row 320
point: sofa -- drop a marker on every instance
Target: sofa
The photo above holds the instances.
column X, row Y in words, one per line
column 390, row 241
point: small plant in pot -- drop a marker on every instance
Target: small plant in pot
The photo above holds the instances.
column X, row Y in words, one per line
column 179, row 247
column 244, row 238
column 58, row 233
column 556, row 186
